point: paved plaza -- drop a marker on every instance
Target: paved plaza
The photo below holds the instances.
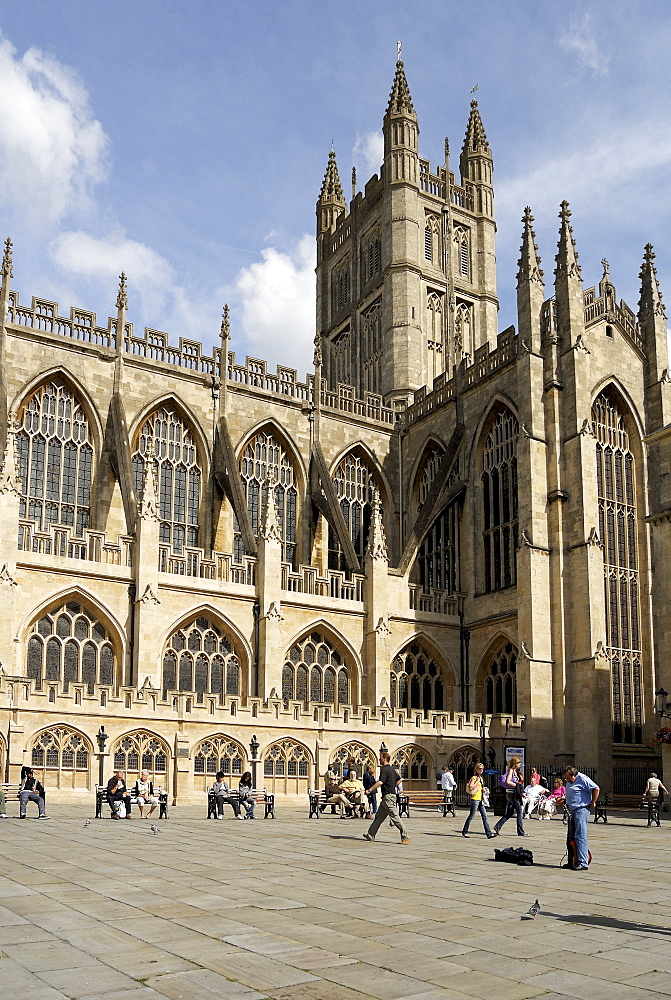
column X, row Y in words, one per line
column 293, row 909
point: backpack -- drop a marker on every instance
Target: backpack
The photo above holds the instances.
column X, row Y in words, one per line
column 514, row 856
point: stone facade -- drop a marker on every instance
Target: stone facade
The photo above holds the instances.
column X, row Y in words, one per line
column 448, row 540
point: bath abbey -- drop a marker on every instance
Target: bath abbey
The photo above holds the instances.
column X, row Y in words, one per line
column 448, row 541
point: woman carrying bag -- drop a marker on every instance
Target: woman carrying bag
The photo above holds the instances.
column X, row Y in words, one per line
column 513, row 782
column 479, row 796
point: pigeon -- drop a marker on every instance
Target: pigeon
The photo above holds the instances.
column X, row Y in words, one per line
column 87, row 823
column 533, row 910
column 154, row 829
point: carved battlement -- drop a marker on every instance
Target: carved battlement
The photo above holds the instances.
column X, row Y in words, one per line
column 604, row 307
column 92, row 546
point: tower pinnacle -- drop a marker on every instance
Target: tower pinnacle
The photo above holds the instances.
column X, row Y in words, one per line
column 331, row 204
column 475, row 140
column 400, row 102
column 567, row 257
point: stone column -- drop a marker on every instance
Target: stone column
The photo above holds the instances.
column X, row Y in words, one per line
column 146, row 656
column 269, row 590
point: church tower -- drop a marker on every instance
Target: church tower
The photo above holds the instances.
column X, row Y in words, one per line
column 406, row 284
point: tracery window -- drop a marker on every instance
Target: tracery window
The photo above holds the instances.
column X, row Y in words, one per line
column 70, row 645
column 370, row 258
column 431, row 240
column 341, row 286
column 434, row 333
column 314, row 671
column 438, row 557
column 178, row 475
column 354, row 485
column 265, row 456
column 461, row 241
column 463, row 763
column 618, row 530
column 362, row 756
column 219, row 753
column 371, row 335
column 55, row 459
column 340, row 359
column 463, row 331
column 499, row 494
column 58, row 753
column 141, row 751
column 412, row 763
column 286, row 766
column 501, row 683
column 199, row 657
column 416, row 681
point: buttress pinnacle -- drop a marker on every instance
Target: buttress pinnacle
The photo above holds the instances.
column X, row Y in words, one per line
column 529, row 264
column 567, row 256
column 400, row 101
column 332, row 188
column 475, row 140
column 650, row 302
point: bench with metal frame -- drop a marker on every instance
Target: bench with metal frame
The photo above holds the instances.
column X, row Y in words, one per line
column 101, row 801
column 443, row 800
column 261, row 797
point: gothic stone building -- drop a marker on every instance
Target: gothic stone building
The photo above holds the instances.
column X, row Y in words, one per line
column 448, row 540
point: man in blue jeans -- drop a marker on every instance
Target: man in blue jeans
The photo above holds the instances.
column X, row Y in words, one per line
column 581, row 795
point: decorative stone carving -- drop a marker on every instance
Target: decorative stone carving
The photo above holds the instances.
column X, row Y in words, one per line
column 273, row 613
column 377, row 542
column 6, row 576
column 270, row 526
column 600, row 652
column 586, row 429
column 580, row 345
column 593, row 539
column 149, row 597
column 382, row 627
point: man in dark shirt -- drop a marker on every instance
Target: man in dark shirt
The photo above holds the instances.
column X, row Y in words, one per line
column 32, row 791
column 117, row 792
column 387, row 781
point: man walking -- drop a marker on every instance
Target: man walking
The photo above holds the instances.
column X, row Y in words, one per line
column 388, row 780
column 581, row 795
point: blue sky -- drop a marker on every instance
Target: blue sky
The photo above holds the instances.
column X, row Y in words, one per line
column 186, row 143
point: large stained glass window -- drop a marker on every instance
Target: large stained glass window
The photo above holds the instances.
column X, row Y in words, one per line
column 499, row 496
column 618, row 529
column 178, row 475
column 55, row 459
column 263, row 458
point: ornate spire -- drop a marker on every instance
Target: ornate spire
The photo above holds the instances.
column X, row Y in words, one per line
column 7, row 271
column 270, row 525
column 149, row 500
column 567, row 257
column 331, row 192
column 377, row 542
column 400, row 102
column 650, row 303
column 475, row 140
column 529, row 264
column 122, row 297
column 225, row 331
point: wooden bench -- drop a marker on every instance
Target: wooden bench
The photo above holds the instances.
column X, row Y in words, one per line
column 442, row 800
column 261, row 797
column 12, row 789
column 101, row 800
column 317, row 799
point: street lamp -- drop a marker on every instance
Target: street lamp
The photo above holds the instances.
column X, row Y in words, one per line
column 101, row 737
column 660, row 703
column 254, row 749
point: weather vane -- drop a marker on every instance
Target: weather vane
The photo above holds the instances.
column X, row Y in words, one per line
column 399, row 50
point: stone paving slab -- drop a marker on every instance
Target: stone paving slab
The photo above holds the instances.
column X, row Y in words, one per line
column 302, row 910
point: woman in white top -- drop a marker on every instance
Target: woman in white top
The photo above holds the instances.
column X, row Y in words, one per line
column 144, row 793
column 653, row 788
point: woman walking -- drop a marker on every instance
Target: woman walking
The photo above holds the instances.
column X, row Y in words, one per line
column 475, row 788
column 513, row 783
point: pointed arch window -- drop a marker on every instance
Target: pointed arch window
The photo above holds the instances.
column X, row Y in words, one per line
column 341, row 285
column 178, row 473
column 618, row 529
column 501, row 683
column 416, row 681
column 200, row 658
column 499, row 496
column 434, row 335
column 371, row 334
column 141, row 751
column 461, row 240
column 412, row 763
column 463, row 331
column 55, row 455
column 431, row 240
column 316, row 658
column 265, row 456
column 71, row 645
column 341, row 370
column 61, row 755
column 219, row 753
column 354, row 485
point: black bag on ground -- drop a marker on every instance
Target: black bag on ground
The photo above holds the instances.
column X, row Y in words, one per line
column 514, row 856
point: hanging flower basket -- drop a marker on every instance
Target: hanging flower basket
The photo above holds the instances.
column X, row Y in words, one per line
column 662, row 735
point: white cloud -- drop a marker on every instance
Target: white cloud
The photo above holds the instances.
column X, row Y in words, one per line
column 594, row 173
column 277, row 300
column 580, row 39
column 368, row 153
column 52, row 150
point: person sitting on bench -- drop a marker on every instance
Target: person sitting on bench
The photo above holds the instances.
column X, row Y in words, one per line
column 144, row 793
column 118, row 793
column 355, row 792
column 223, row 794
column 32, row 791
column 246, row 798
